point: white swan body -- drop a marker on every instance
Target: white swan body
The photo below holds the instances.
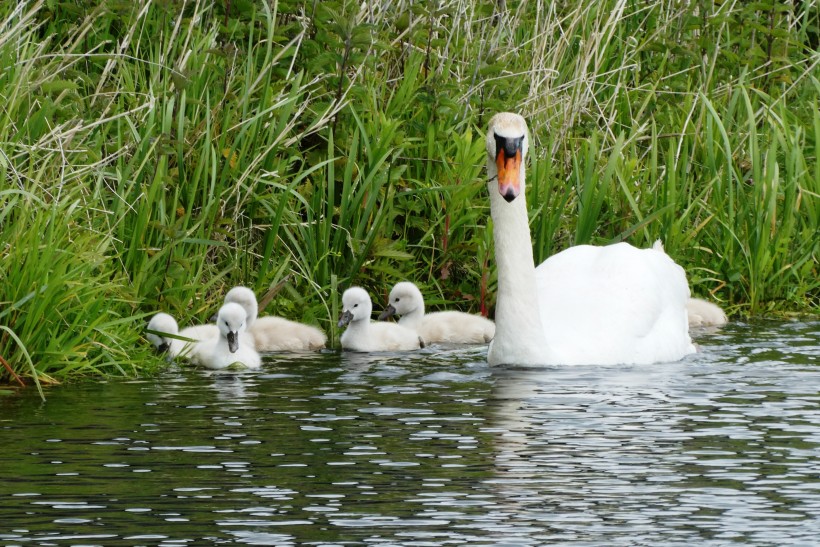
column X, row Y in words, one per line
column 162, row 322
column 454, row 327
column 272, row 333
column 233, row 345
column 363, row 335
column 586, row 305
column 705, row 314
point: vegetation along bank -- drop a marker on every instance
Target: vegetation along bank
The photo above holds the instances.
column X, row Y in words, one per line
column 154, row 153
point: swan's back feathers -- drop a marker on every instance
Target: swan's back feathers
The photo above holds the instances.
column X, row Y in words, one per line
column 271, row 333
column 378, row 336
column 613, row 304
column 202, row 333
column 163, row 322
column 705, row 314
column 455, row 327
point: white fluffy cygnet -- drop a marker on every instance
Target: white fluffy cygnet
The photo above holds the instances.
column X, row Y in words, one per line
column 705, row 314
column 363, row 335
column 233, row 345
column 272, row 333
column 454, row 327
column 162, row 322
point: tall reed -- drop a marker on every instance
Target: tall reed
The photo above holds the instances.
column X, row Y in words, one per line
column 153, row 154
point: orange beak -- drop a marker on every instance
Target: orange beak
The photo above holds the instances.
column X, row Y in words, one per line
column 509, row 168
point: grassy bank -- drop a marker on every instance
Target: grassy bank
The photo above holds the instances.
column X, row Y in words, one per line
column 155, row 153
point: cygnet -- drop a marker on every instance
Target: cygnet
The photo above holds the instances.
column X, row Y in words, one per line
column 704, row 314
column 272, row 333
column 454, row 327
column 162, row 322
column 363, row 335
column 233, row 345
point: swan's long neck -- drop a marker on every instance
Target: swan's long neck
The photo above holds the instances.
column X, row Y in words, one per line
column 519, row 337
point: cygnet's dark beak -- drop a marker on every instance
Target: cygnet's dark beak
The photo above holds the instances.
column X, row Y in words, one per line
column 162, row 348
column 233, row 341
column 345, row 318
column 389, row 311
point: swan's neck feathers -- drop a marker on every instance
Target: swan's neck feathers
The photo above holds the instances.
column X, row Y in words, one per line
column 358, row 325
column 519, row 336
column 412, row 320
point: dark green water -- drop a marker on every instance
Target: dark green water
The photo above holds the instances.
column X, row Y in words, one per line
column 429, row 448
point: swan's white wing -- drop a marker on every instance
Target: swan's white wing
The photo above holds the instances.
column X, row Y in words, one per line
column 613, row 304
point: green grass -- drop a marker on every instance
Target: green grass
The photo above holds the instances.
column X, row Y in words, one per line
column 153, row 154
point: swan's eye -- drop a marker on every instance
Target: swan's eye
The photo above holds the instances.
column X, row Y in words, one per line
column 397, row 299
column 355, row 305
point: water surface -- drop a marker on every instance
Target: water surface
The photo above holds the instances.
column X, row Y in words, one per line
column 429, row 448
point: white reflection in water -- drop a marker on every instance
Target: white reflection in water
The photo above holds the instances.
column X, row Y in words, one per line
column 430, row 448
column 685, row 449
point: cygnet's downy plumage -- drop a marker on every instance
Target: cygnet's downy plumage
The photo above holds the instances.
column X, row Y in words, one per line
column 272, row 333
column 233, row 345
column 704, row 314
column 363, row 335
column 162, row 322
column 454, row 327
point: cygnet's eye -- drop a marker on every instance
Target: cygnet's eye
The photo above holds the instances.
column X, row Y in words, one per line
column 397, row 299
column 355, row 305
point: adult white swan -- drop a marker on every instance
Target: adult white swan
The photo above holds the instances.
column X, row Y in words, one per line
column 586, row 305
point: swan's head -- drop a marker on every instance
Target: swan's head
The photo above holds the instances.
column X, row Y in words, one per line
column 356, row 306
column 231, row 321
column 245, row 298
column 161, row 323
column 404, row 298
column 507, row 144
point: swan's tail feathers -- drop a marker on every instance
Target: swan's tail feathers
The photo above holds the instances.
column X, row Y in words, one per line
column 658, row 245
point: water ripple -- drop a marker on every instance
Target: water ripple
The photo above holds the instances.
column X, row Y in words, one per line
column 430, row 448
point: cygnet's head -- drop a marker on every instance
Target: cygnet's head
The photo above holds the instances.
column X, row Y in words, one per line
column 245, row 298
column 164, row 323
column 356, row 306
column 507, row 145
column 231, row 321
column 404, row 298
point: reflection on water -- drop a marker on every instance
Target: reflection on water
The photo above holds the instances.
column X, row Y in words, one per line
column 429, row 448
